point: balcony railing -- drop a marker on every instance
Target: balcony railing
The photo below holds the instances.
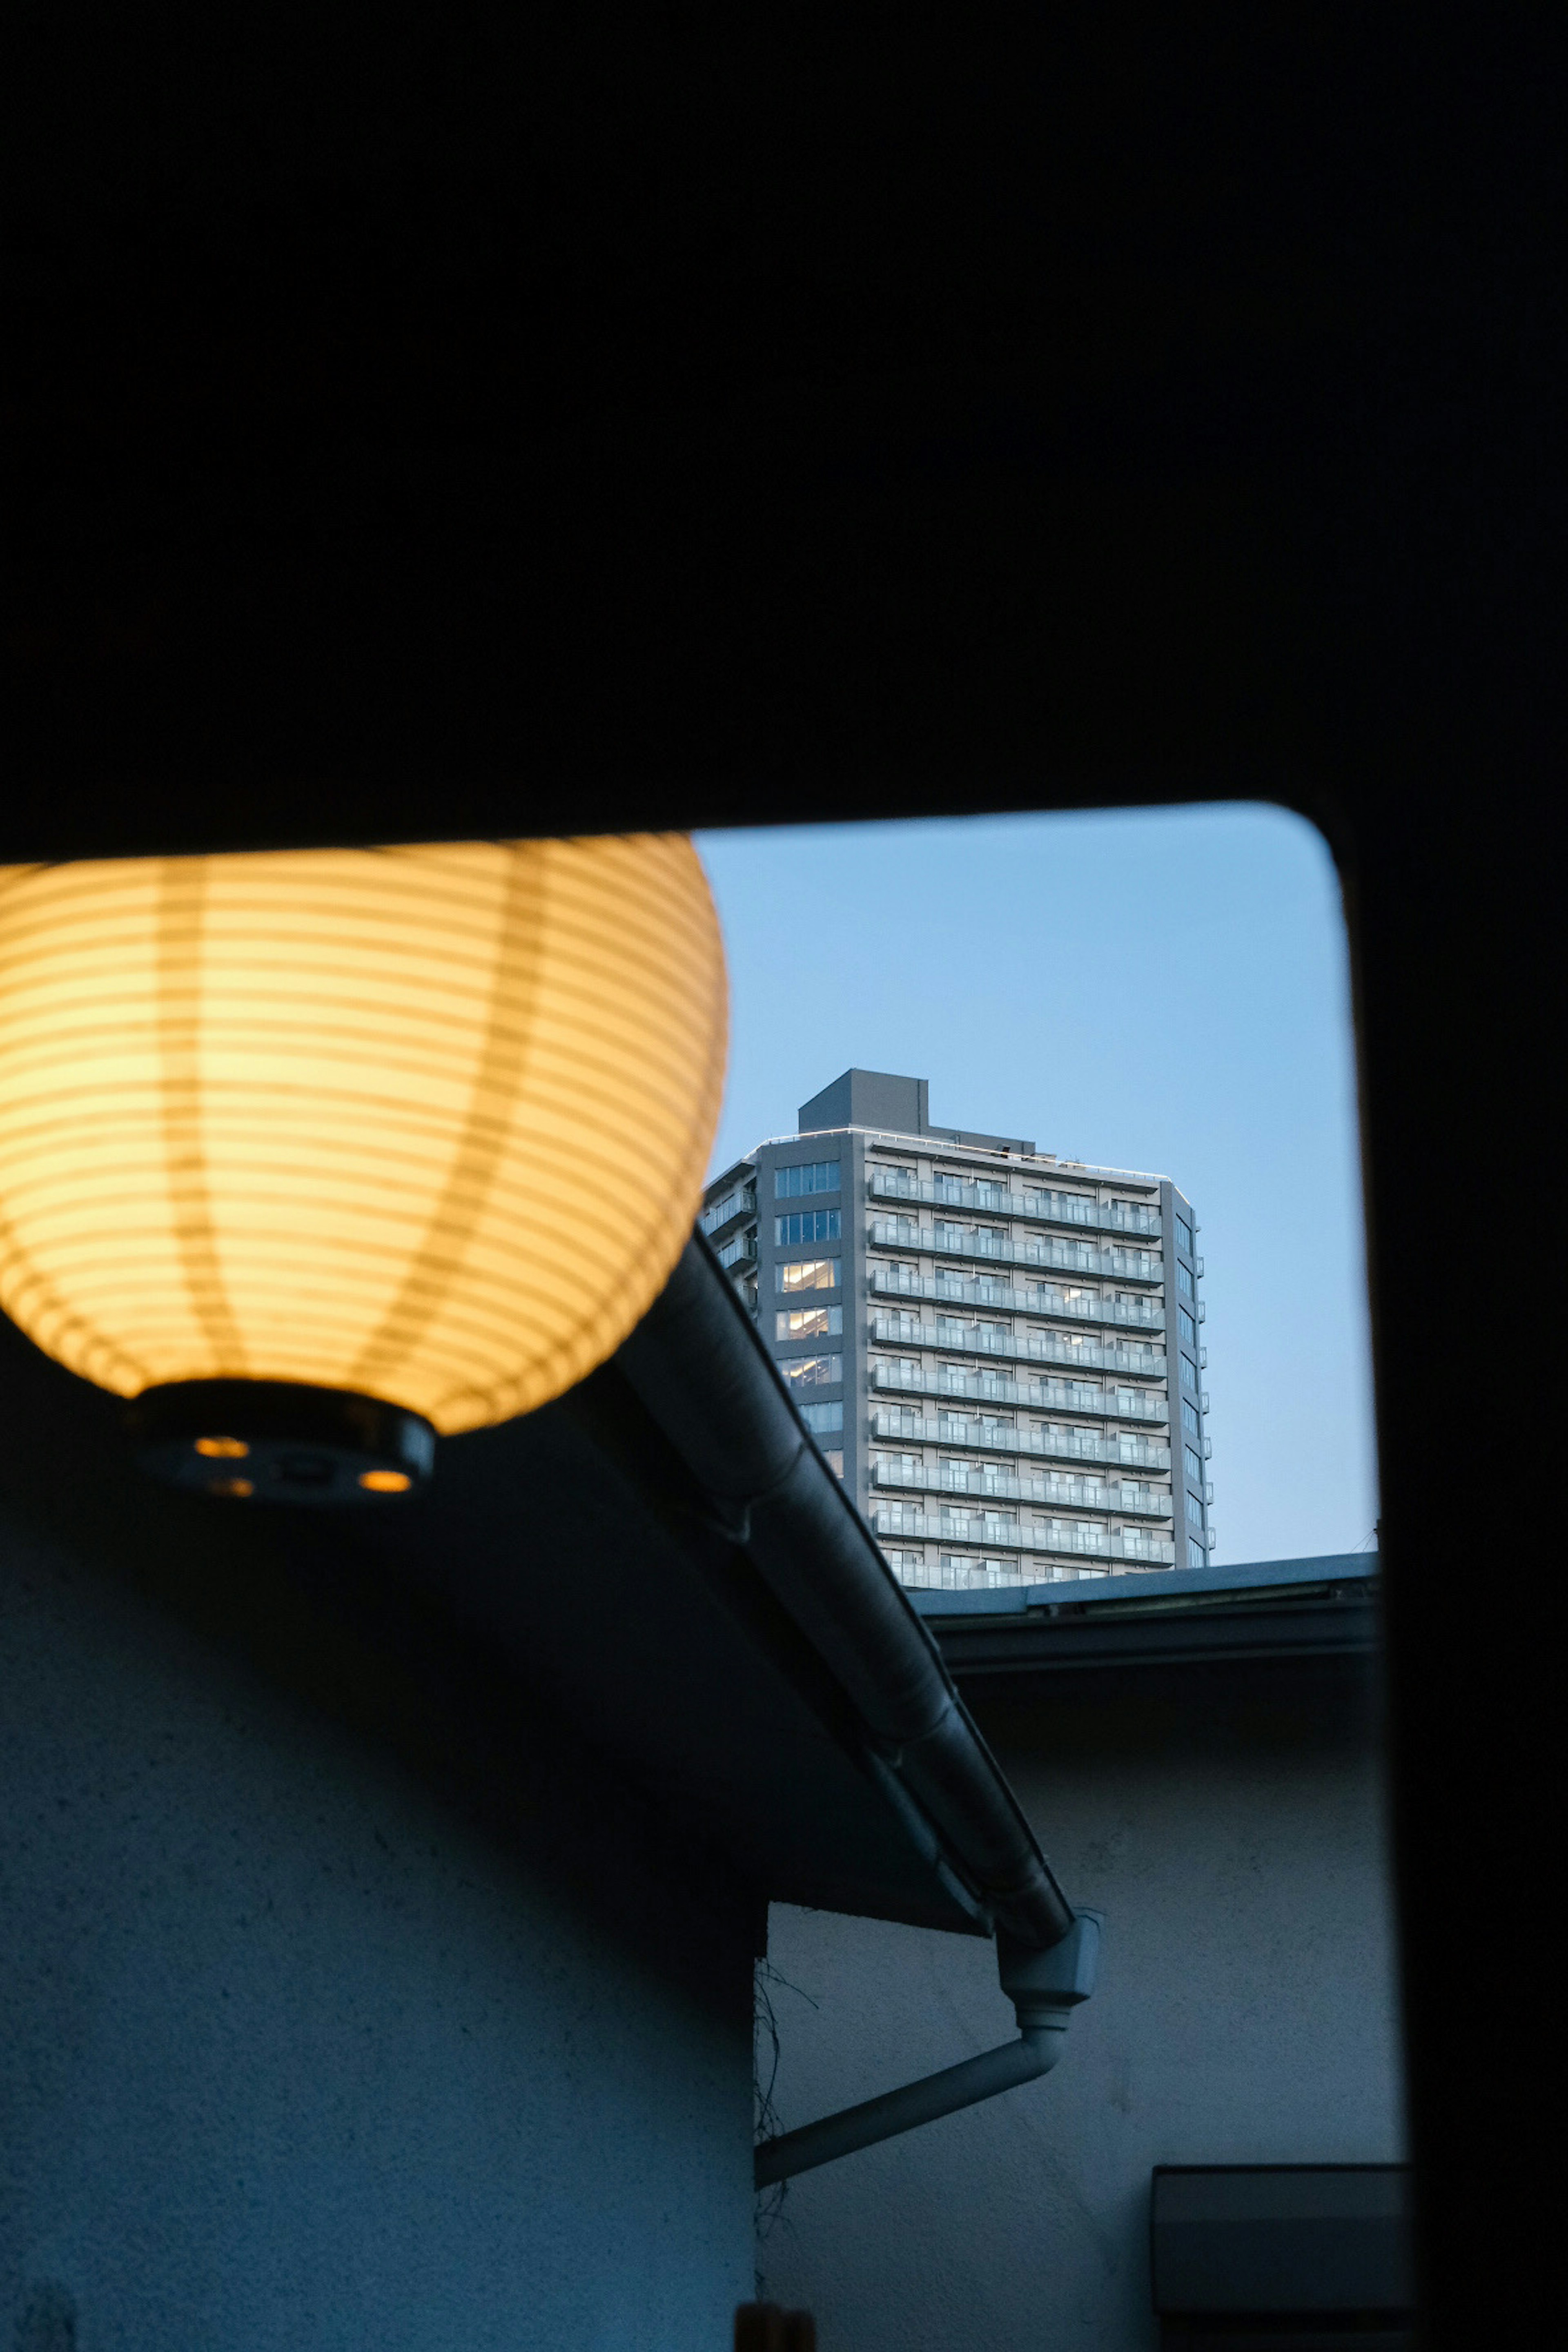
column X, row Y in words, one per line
column 1139, row 1314
column 950, row 1574
column 1072, row 1537
column 1039, row 1396
column 1054, row 1446
column 740, row 1201
column 1017, row 1347
column 1045, row 1250
column 740, row 1249
column 984, row 1200
column 1125, row 1499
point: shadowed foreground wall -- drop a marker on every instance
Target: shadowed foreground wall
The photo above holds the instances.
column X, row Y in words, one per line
column 1229, row 1823
column 297, row 2057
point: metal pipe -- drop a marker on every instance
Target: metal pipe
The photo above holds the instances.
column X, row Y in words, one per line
column 1045, row 1988
column 705, row 1378
column 964, row 2086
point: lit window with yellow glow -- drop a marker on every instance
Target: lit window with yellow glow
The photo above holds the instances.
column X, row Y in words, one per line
column 807, row 1273
column 809, row 1323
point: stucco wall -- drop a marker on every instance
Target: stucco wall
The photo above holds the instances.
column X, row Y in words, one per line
column 296, row 2056
column 1231, row 1829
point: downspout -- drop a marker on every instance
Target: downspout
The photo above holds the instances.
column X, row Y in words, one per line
column 1045, row 1988
column 704, row 1375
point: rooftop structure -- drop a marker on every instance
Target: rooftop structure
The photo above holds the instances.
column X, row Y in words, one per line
column 998, row 1350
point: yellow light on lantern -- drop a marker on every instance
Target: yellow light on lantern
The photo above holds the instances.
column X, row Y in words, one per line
column 356, row 1121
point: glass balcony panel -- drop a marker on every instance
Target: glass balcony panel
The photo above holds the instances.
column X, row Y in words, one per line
column 741, row 1200
column 1041, row 1298
column 1041, row 1346
column 1038, row 1396
column 1069, row 1537
column 1048, row 1206
column 943, row 1240
column 1073, row 1494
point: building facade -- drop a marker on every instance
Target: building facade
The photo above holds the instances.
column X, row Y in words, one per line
column 999, row 1351
column 1209, row 1768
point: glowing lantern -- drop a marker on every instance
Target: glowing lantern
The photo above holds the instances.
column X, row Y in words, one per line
column 316, row 1153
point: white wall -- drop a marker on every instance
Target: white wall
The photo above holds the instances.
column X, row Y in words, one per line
column 1231, row 1829
column 296, row 2059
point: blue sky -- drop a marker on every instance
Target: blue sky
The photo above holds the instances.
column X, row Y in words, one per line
column 1154, row 990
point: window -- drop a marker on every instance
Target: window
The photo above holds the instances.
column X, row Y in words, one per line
column 806, row 1225
column 834, row 1457
column 822, row 1420
column 1187, row 1328
column 1189, row 1374
column 807, row 1273
column 1189, row 1416
column 811, row 1176
column 1197, row 1556
column 1195, row 1467
column 1195, row 1511
column 810, row 1323
column 988, row 1526
column 1184, row 1234
column 815, row 1371
column 1184, row 1279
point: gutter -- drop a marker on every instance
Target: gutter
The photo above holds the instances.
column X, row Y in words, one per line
column 1270, row 1609
column 703, row 1374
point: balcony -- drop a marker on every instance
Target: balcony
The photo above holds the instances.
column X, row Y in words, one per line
column 740, row 1250
column 1139, row 1314
column 1120, row 1452
column 740, row 1201
column 955, row 1574
column 1125, row 1499
column 984, row 1200
column 1074, row 1537
column 1018, row 1346
column 1039, row 1396
column 1044, row 1251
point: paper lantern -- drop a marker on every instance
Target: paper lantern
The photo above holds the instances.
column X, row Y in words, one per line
column 315, row 1153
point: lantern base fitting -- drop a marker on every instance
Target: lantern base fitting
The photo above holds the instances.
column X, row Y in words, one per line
column 280, row 1441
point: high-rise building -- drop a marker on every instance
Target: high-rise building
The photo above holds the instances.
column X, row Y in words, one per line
column 998, row 1350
